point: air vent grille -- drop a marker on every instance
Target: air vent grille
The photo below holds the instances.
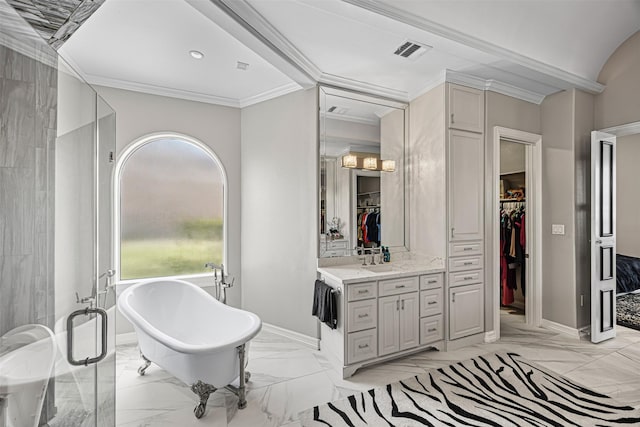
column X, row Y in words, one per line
column 411, row 50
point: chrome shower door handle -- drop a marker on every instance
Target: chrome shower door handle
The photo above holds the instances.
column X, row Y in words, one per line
column 103, row 339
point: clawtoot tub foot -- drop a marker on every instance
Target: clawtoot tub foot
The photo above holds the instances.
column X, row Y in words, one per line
column 203, row 391
column 244, row 376
column 144, row 366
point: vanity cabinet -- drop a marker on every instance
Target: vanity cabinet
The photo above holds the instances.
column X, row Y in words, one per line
column 383, row 318
column 399, row 323
column 466, row 310
column 466, row 185
column 465, row 215
column 465, row 108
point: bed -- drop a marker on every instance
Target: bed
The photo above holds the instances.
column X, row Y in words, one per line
column 628, row 274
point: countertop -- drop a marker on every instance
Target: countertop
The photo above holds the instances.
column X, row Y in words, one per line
column 356, row 273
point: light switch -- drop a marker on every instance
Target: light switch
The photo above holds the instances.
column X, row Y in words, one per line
column 557, row 229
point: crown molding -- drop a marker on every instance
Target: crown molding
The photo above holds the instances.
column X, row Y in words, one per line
column 352, row 119
column 441, row 78
column 397, row 14
column 514, row 91
column 363, row 87
column 623, row 130
column 494, row 86
column 269, row 94
column 162, row 91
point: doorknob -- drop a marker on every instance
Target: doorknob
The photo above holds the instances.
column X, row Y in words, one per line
column 598, row 242
column 103, row 341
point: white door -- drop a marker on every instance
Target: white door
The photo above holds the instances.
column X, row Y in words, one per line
column 409, row 321
column 389, row 312
column 603, row 241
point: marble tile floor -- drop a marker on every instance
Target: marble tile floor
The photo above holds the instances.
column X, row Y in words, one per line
column 288, row 377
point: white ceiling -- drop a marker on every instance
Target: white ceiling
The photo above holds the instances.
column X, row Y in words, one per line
column 524, row 48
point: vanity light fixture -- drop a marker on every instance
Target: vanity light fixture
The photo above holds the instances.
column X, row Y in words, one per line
column 196, row 54
column 389, row 165
column 370, row 163
column 349, row 161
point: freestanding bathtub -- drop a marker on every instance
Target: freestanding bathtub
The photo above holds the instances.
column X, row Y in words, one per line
column 191, row 335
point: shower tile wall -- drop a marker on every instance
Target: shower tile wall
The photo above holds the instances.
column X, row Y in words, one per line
column 28, row 104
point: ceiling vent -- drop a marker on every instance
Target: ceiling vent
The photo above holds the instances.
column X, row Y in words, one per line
column 411, row 50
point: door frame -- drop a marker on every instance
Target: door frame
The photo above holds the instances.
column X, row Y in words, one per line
column 533, row 302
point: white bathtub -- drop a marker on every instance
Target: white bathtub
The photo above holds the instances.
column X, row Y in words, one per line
column 189, row 333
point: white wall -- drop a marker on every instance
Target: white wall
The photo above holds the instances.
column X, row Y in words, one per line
column 628, row 196
column 139, row 114
column 619, row 103
column 280, row 210
column 427, row 178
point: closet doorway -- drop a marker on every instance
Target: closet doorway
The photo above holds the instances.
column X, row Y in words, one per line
column 516, row 225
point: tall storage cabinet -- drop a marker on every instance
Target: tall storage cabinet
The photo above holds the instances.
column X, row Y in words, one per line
column 465, row 213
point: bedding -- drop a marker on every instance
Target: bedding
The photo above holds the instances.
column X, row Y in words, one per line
column 628, row 273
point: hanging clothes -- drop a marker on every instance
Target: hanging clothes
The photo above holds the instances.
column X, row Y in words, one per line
column 512, row 251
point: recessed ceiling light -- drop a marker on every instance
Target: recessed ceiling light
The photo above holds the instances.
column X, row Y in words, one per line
column 196, row 54
column 242, row 66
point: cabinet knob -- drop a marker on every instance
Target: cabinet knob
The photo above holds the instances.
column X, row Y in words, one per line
column 432, row 302
column 452, row 230
column 432, row 281
column 363, row 346
column 362, row 316
column 363, row 291
column 468, row 278
column 468, row 263
column 468, row 248
column 452, row 118
column 399, row 286
column 403, row 304
column 431, row 330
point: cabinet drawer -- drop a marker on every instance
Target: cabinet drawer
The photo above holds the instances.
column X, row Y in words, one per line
column 466, row 278
column 358, row 291
column 362, row 345
column 465, row 263
column 465, row 248
column 398, row 286
column 431, row 329
column 362, row 315
column 430, row 302
column 337, row 244
column 431, row 281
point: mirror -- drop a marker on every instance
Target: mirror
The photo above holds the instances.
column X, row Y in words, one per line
column 362, row 172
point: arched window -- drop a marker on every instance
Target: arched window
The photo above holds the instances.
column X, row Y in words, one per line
column 171, row 208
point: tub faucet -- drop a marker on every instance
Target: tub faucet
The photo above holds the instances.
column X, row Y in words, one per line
column 221, row 285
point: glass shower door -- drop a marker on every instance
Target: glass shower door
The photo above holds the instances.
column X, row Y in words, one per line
column 84, row 295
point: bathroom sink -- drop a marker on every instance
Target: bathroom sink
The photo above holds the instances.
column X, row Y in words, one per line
column 379, row 268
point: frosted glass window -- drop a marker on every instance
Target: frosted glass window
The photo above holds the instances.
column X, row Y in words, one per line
column 171, row 210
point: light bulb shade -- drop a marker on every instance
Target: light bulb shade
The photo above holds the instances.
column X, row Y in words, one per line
column 389, row 165
column 370, row 163
column 349, row 161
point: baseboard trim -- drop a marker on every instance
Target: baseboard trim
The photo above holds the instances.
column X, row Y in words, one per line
column 563, row 329
column 490, row 336
column 306, row 340
column 126, row 338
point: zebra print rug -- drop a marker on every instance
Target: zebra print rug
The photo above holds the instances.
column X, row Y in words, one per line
column 494, row 390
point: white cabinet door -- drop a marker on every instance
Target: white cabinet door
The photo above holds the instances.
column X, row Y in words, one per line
column 466, row 310
column 466, row 185
column 466, row 108
column 389, row 324
column 409, row 321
